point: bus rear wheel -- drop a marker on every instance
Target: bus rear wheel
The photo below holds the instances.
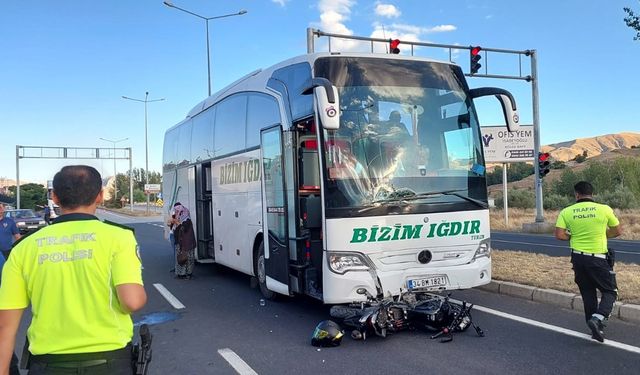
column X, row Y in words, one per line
column 261, row 274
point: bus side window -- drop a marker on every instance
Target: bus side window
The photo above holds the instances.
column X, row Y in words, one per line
column 309, row 165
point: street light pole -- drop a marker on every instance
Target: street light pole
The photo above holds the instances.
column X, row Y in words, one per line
column 115, row 174
column 146, row 145
column 206, row 21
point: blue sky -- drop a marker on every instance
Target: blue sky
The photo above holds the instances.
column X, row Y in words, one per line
column 65, row 65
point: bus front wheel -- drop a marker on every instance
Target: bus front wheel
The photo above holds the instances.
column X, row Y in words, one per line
column 261, row 274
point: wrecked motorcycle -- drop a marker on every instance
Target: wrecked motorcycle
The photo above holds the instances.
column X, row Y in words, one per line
column 407, row 311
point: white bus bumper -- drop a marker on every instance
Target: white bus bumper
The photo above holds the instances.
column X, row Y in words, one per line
column 341, row 288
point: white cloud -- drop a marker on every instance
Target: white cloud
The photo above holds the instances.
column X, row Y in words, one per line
column 440, row 29
column 333, row 17
column 338, row 6
column 281, row 2
column 405, row 33
column 404, row 28
column 412, row 29
column 387, row 10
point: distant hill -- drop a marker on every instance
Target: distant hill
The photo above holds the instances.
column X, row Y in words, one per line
column 6, row 182
column 594, row 146
column 602, row 149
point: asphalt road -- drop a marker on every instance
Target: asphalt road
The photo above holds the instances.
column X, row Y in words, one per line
column 223, row 325
column 626, row 251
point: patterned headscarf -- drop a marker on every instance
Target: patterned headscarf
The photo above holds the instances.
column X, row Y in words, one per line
column 182, row 213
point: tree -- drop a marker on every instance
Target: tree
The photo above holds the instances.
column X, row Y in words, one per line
column 600, row 175
column 615, row 181
column 515, row 172
column 558, row 164
column 139, row 178
column 581, row 158
column 518, row 198
column 495, row 177
column 31, row 195
column 518, row 171
column 564, row 185
column 633, row 21
column 122, row 183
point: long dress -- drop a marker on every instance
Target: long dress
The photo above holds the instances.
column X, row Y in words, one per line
column 185, row 242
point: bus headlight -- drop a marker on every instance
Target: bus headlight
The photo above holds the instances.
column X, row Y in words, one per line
column 345, row 262
column 484, row 249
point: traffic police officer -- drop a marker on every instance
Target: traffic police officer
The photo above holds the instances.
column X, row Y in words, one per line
column 587, row 225
column 13, row 367
column 82, row 278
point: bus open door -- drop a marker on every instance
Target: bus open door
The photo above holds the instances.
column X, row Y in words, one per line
column 273, row 263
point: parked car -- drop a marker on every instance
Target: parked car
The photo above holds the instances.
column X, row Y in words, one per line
column 26, row 220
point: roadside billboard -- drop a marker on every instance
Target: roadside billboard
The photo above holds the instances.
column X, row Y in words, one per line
column 503, row 146
column 151, row 188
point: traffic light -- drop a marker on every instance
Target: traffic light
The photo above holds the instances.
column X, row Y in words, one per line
column 543, row 163
column 393, row 46
column 475, row 58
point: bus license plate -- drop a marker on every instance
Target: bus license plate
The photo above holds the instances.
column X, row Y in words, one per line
column 427, row 282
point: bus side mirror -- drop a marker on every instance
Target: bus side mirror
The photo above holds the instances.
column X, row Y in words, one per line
column 507, row 102
column 510, row 112
column 326, row 102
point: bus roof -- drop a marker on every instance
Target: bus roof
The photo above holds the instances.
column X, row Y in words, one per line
column 257, row 80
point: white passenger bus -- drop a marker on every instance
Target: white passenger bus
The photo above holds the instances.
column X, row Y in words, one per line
column 330, row 172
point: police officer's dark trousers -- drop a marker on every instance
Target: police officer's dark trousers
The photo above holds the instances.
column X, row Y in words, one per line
column 591, row 274
column 116, row 362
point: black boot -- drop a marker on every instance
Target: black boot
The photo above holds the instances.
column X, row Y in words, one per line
column 597, row 328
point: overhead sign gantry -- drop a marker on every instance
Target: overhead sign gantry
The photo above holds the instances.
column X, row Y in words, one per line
column 46, row 152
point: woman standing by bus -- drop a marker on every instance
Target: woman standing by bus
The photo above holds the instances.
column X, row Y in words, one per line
column 185, row 242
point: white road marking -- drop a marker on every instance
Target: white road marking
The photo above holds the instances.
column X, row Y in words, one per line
column 169, row 297
column 529, row 243
column 563, row 247
column 236, row 362
column 568, row 332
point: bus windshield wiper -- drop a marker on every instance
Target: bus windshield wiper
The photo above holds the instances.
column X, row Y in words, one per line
column 448, row 192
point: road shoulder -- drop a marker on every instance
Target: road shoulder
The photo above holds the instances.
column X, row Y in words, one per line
column 623, row 311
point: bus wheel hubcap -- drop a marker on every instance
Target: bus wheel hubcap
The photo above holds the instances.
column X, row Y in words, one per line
column 261, row 273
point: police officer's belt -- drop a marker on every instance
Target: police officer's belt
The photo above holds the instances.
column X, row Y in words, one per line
column 78, row 360
column 601, row 256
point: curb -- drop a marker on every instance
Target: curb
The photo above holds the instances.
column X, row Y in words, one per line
column 624, row 311
column 124, row 212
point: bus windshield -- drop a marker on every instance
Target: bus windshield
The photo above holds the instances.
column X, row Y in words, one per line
column 408, row 142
